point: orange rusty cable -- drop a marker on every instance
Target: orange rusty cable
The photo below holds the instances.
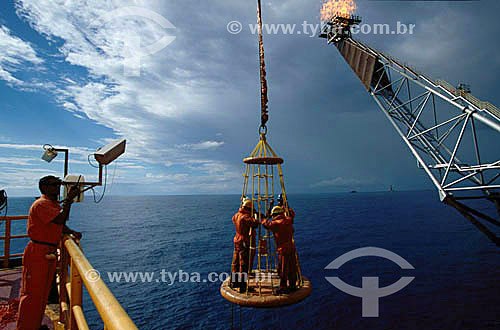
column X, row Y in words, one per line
column 263, row 82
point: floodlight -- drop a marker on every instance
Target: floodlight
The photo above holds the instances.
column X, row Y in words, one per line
column 110, row 152
column 49, row 154
column 103, row 156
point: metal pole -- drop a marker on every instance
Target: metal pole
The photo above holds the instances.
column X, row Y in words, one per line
column 450, row 201
column 442, row 193
column 66, row 163
column 477, row 116
column 66, row 158
column 452, row 159
column 75, row 294
column 112, row 313
column 63, row 274
column 6, row 244
column 476, row 147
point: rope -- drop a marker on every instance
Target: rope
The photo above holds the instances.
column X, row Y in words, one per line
column 263, row 82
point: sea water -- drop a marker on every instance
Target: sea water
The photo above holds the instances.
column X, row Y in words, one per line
column 456, row 268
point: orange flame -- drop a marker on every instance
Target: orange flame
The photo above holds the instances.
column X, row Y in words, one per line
column 330, row 8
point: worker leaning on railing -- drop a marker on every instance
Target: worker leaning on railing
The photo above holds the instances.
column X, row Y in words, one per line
column 46, row 224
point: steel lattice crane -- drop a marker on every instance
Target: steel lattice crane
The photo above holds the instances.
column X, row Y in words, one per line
column 442, row 126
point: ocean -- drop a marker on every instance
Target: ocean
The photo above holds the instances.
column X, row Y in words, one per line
column 456, row 268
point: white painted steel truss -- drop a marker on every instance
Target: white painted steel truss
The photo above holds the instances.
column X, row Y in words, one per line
column 407, row 98
column 442, row 126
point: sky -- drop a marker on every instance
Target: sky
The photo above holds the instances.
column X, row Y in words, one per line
column 189, row 104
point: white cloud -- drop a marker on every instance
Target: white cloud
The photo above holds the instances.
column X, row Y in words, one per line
column 14, row 54
column 81, row 151
column 21, row 146
column 24, row 179
column 201, row 146
column 4, row 75
column 71, row 107
column 130, row 165
column 17, row 161
column 178, row 178
column 173, row 85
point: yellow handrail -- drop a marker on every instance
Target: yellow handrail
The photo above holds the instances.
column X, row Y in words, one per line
column 70, row 287
column 112, row 313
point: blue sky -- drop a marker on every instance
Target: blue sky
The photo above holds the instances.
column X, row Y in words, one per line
column 192, row 112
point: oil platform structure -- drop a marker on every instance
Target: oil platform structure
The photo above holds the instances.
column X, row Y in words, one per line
column 442, row 125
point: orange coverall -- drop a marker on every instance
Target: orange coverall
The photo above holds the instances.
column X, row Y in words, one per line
column 38, row 271
column 282, row 227
column 242, row 220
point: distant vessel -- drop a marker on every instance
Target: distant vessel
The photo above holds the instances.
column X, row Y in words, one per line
column 353, row 191
column 390, row 189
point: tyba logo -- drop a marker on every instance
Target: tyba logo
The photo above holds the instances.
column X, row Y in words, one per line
column 132, row 51
column 370, row 291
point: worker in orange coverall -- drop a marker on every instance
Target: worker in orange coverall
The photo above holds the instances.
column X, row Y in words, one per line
column 282, row 227
column 243, row 221
column 46, row 224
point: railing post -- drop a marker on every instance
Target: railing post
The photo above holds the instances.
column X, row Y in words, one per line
column 75, row 294
column 6, row 244
column 63, row 275
column 112, row 313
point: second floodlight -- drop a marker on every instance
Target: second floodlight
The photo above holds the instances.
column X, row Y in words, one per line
column 110, row 152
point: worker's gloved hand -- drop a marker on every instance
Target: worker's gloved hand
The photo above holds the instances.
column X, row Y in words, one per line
column 271, row 204
column 77, row 234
